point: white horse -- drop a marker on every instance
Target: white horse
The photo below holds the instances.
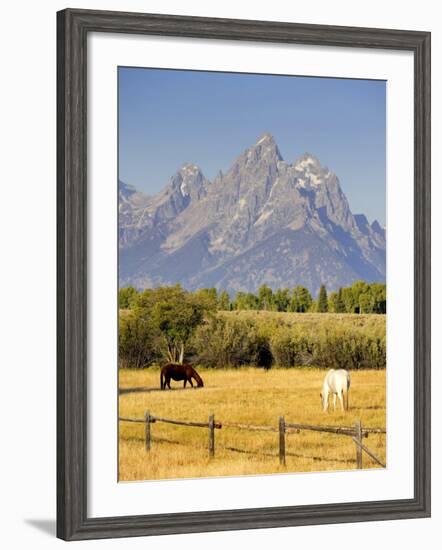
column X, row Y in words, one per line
column 336, row 383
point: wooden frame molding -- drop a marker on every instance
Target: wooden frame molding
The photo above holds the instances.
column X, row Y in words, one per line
column 73, row 27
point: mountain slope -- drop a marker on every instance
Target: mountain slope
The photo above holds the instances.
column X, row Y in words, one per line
column 263, row 221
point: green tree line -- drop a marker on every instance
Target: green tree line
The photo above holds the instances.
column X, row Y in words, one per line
column 361, row 297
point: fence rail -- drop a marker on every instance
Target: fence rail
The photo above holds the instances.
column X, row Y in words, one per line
column 341, row 430
column 356, row 432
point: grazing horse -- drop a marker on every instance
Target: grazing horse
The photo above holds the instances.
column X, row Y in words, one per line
column 176, row 371
column 336, row 383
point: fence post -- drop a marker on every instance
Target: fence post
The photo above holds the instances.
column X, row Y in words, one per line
column 358, row 435
column 147, row 430
column 282, row 440
column 211, row 436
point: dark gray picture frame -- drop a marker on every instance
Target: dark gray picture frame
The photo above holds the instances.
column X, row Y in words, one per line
column 73, row 27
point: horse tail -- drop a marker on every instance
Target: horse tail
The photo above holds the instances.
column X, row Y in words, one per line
column 198, row 378
column 162, row 383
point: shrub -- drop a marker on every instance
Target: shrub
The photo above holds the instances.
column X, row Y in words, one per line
column 351, row 350
column 227, row 343
column 282, row 348
column 137, row 342
column 262, row 338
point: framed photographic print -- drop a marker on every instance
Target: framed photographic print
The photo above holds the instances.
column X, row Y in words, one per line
column 243, row 274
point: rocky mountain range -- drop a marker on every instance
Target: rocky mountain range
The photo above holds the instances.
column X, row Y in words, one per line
column 264, row 221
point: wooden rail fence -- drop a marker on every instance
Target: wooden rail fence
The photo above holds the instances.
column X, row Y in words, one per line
column 356, row 433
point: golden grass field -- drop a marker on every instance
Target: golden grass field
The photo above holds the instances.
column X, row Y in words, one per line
column 250, row 396
column 365, row 321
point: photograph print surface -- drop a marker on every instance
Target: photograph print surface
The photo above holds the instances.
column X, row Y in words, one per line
column 252, row 274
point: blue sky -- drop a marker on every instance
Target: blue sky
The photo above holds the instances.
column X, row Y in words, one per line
column 170, row 117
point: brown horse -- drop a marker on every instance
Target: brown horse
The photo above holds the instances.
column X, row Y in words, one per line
column 176, row 371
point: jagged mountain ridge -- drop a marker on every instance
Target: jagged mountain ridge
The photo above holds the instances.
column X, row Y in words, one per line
column 263, row 221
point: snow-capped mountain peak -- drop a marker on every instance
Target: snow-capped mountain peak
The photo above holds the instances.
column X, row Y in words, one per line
column 264, row 148
column 261, row 221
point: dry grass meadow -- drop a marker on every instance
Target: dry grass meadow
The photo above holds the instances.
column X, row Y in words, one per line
column 250, row 396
